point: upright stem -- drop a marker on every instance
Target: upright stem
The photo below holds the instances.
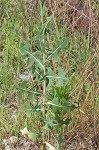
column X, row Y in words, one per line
column 44, row 82
column 44, row 86
column 44, row 99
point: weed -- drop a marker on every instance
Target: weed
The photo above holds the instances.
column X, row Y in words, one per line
column 55, row 69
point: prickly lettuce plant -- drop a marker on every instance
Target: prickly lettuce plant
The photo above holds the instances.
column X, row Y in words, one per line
column 60, row 105
column 46, row 92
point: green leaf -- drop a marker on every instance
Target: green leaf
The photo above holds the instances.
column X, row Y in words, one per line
column 57, row 118
column 72, row 107
column 37, row 107
column 45, row 25
column 33, row 69
column 34, row 92
column 53, row 104
column 31, row 95
column 39, row 37
column 62, row 74
column 24, row 49
column 58, row 43
column 47, row 81
column 54, row 51
column 34, row 56
column 24, row 131
column 59, row 141
column 43, row 78
column 29, row 112
column 65, row 108
column 32, row 136
column 49, row 123
column 67, row 121
column 32, row 61
column 24, row 84
column 22, row 89
column 62, row 122
column 36, row 59
column 19, row 94
column 55, row 101
column 50, row 73
column 65, row 44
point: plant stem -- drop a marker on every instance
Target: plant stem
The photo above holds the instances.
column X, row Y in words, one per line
column 44, row 86
column 44, row 82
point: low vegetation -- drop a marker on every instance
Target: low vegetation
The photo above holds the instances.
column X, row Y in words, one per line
column 49, row 73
